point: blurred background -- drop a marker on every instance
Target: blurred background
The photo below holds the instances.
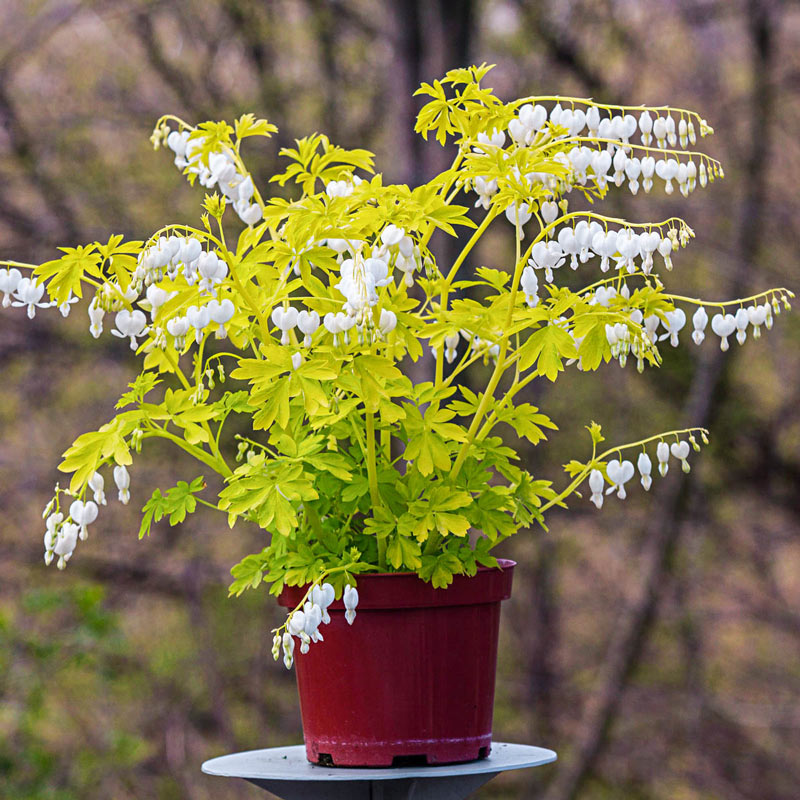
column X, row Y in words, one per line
column 655, row 645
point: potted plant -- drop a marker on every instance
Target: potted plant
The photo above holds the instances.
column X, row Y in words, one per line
column 296, row 314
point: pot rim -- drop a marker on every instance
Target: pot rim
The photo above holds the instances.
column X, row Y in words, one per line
column 502, row 565
column 407, row 590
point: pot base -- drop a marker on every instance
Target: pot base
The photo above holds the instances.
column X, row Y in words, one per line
column 419, row 753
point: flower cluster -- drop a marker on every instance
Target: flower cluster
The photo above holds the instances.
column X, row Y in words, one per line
column 619, row 471
column 647, row 331
column 24, row 292
column 304, row 622
column 219, row 169
column 602, row 151
column 62, row 533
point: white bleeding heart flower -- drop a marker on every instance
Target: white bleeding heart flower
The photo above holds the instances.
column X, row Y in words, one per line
column 199, row 319
column 83, row 514
column 222, row 313
column 285, row 319
column 297, row 360
column 65, row 307
column 645, row 468
column 549, row 211
column 518, row 216
column 387, row 322
column 221, row 167
column 212, row 270
column 450, row 344
column 699, row 321
column 568, row 242
column 667, row 170
column 66, row 540
column 379, row 270
column 331, row 324
column 245, row 190
column 651, row 324
column 392, row 235
column 250, row 214
column 648, row 243
column 338, row 189
column 288, row 650
column 620, row 161
column 190, row 250
column 96, row 315
column 178, row 327
column 308, row 322
column 665, row 247
column 97, row 485
column 757, row 316
column 532, row 117
column 662, row 454
column 674, row 322
column 597, row 483
column 723, row 325
column 681, row 451
column 601, row 163
column 619, row 473
column 350, row 598
column 742, row 320
column 593, row 119
column 28, row 293
column 546, row 256
column 322, row 596
column 646, row 127
column 530, row 286
column 296, row 623
column 313, row 619
column 345, row 323
column 485, row 189
column 130, row 325
column 156, row 296
column 495, row 138
column 122, row 479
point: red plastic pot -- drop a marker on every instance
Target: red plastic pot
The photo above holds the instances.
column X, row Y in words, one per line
column 412, row 680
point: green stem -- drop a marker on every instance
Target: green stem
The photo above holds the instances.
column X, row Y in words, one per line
column 201, row 455
column 443, row 300
column 500, row 365
column 204, row 424
column 372, row 476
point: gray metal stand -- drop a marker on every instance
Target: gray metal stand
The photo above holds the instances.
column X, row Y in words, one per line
column 286, row 773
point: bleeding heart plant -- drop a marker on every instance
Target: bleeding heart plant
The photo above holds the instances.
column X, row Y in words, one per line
column 301, row 323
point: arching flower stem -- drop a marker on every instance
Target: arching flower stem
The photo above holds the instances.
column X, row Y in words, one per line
column 585, row 101
column 780, row 292
column 558, row 500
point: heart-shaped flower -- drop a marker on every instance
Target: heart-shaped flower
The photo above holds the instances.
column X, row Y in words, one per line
column 619, row 473
column 130, row 324
column 83, row 514
column 350, row 598
column 645, row 468
column 681, row 451
column 597, row 484
column 723, row 325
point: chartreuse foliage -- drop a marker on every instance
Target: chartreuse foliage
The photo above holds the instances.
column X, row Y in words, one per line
column 344, row 462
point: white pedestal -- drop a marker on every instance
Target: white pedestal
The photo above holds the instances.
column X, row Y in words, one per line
column 286, row 773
